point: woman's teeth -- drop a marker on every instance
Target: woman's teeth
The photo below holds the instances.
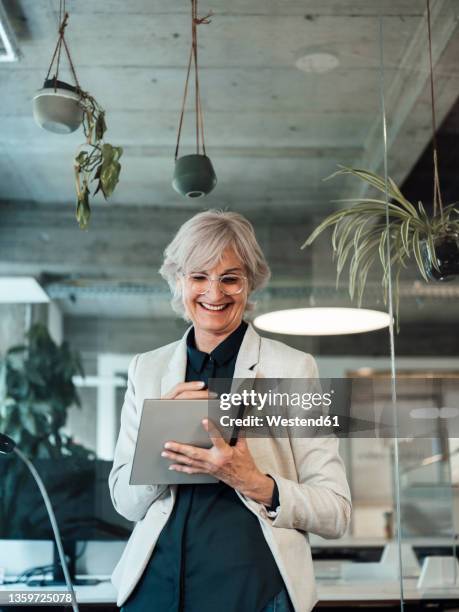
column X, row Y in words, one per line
column 211, row 307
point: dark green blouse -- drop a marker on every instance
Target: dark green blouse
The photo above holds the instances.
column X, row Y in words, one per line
column 211, row 555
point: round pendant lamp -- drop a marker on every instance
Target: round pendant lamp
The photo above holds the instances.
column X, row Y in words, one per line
column 322, row 321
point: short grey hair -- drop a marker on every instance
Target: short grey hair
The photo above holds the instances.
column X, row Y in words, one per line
column 200, row 243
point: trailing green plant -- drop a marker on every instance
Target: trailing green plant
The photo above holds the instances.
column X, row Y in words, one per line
column 36, row 392
column 96, row 160
column 360, row 234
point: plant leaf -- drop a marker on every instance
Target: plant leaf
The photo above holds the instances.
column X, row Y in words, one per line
column 382, row 246
column 101, row 126
column 418, row 255
column 362, row 277
column 431, row 250
column 380, row 184
column 111, row 168
column 405, row 233
column 346, row 228
column 81, row 158
column 366, row 248
column 83, row 211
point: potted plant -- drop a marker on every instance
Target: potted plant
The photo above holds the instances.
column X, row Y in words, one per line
column 360, row 233
column 36, row 391
column 57, row 105
column 61, row 108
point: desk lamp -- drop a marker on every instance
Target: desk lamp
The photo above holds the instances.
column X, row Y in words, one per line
column 7, row 445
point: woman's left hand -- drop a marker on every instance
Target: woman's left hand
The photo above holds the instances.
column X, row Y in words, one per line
column 234, row 465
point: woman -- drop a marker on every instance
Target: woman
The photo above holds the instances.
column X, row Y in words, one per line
column 239, row 545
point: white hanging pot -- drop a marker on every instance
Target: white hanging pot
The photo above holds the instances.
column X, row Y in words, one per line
column 194, row 176
column 57, row 107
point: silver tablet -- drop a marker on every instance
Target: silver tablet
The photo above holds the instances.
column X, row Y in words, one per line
column 163, row 420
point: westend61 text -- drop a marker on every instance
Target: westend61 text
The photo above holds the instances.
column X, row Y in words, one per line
column 278, row 421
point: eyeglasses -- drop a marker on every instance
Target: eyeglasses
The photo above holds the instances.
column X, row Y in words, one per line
column 229, row 284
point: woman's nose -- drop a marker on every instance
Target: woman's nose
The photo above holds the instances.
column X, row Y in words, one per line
column 214, row 292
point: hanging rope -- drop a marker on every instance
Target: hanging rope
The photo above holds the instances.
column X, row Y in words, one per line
column 437, row 199
column 195, row 21
column 63, row 21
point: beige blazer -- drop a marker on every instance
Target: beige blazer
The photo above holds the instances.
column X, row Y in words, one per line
column 313, row 490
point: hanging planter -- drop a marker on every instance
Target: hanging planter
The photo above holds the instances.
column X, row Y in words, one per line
column 62, row 108
column 393, row 229
column 360, row 234
column 57, row 108
column 444, row 266
column 194, row 175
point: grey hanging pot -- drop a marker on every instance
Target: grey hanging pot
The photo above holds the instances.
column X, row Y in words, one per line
column 194, row 176
column 57, row 108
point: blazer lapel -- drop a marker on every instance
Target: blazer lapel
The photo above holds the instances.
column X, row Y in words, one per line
column 249, row 355
column 176, row 370
column 245, row 373
column 247, row 359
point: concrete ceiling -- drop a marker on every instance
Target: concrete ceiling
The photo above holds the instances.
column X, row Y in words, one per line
column 273, row 131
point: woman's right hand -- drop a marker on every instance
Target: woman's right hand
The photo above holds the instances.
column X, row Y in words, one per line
column 188, row 390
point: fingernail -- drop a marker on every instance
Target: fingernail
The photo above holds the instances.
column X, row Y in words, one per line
column 163, row 454
column 213, row 394
column 171, row 467
column 167, row 445
column 200, row 383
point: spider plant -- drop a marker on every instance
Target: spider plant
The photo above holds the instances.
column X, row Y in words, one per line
column 96, row 160
column 360, row 234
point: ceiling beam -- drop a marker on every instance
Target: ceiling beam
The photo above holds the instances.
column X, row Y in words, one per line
column 125, row 242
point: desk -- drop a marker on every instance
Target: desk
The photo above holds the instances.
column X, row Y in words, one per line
column 337, row 594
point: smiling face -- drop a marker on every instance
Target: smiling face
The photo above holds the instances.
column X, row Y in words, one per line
column 214, row 314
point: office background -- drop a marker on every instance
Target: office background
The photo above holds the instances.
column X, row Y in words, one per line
column 290, row 90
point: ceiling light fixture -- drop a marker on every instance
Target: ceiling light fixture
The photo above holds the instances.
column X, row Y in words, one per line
column 21, row 290
column 322, row 321
column 11, row 50
column 317, row 63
